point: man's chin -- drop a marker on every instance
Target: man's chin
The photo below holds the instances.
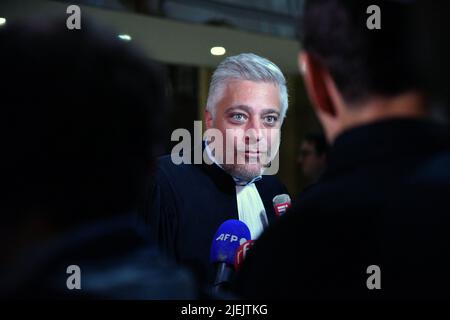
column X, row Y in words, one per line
column 244, row 171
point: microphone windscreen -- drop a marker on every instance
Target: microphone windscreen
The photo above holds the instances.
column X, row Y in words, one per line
column 241, row 253
column 281, row 203
column 230, row 235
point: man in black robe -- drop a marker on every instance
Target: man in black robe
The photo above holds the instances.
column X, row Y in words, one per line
column 188, row 202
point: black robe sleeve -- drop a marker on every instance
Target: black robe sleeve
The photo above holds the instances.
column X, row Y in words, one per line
column 161, row 214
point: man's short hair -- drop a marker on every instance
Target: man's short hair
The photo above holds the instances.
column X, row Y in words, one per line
column 363, row 63
column 246, row 66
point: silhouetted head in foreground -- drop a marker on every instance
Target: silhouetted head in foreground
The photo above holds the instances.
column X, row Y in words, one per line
column 80, row 114
column 80, row 121
column 355, row 73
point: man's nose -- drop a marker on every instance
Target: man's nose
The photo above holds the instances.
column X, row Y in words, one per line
column 255, row 131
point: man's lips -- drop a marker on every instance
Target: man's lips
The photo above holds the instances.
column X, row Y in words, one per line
column 259, row 151
column 251, row 154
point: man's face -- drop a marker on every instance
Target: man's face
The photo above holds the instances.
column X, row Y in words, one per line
column 248, row 115
column 312, row 163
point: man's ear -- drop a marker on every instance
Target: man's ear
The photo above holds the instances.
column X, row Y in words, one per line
column 208, row 119
column 315, row 77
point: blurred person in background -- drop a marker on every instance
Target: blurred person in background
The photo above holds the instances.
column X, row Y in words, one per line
column 313, row 156
column 432, row 53
column 80, row 121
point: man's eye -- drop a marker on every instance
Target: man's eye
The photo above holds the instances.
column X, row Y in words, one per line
column 271, row 119
column 239, row 117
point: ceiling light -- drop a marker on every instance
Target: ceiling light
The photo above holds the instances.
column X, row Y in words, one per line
column 125, row 37
column 218, row 51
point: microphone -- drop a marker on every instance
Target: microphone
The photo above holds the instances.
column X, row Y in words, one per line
column 241, row 253
column 281, row 203
column 230, row 235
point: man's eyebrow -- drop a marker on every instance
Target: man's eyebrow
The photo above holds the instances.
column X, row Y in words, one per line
column 243, row 107
column 249, row 109
column 270, row 110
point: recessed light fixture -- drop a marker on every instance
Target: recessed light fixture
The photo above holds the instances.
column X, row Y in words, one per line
column 125, row 37
column 2, row 21
column 218, row 51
